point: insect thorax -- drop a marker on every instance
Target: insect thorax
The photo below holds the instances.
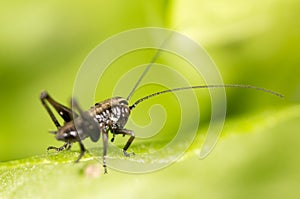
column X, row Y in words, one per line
column 112, row 113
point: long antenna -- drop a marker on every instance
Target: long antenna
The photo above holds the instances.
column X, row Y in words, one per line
column 205, row 86
column 154, row 58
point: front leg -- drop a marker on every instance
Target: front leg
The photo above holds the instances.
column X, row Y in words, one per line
column 128, row 143
column 105, row 140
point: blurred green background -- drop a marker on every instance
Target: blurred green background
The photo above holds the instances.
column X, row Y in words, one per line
column 43, row 44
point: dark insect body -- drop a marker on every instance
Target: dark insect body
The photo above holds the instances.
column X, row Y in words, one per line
column 110, row 115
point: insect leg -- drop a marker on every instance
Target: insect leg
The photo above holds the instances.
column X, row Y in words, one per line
column 128, row 143
column 66, row 145
column 43, row 97
column 63, row 111
column 69, row 146
column 105, row 141
column 82, row 151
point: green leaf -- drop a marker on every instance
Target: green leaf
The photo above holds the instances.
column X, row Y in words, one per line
column 262, row 163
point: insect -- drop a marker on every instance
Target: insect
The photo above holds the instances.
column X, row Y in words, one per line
column 110, row 115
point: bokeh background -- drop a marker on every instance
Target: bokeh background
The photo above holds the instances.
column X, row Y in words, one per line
column 43, row 44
